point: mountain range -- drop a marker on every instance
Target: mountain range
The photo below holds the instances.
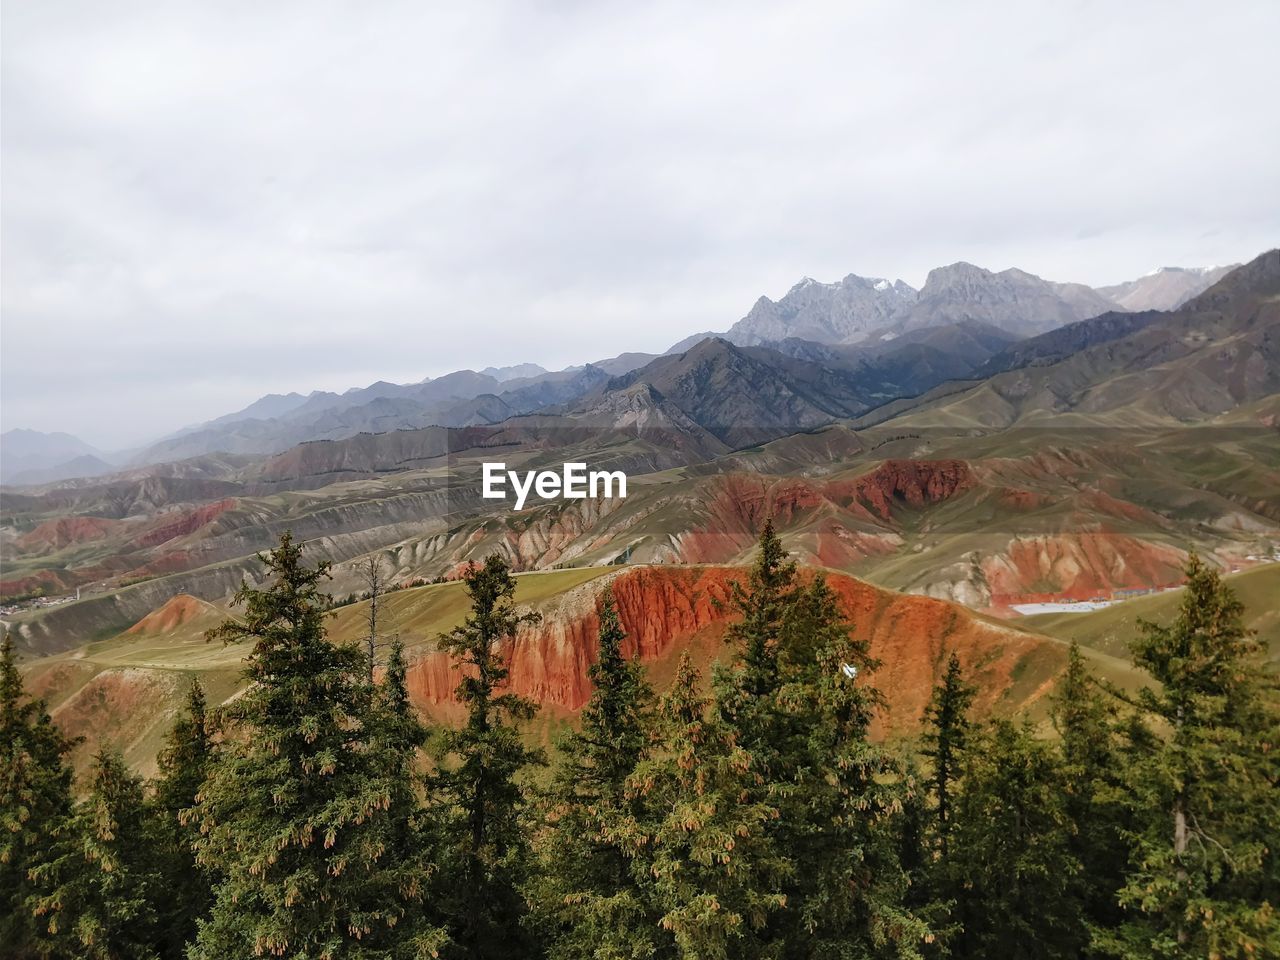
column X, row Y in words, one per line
column 946, row 476
column 877, row 340
column 32, row 457
column 955, row 459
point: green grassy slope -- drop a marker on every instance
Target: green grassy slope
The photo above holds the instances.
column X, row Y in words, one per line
column 1109, row 630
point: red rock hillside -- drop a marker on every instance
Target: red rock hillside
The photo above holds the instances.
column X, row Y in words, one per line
column 739, row 503
column 65, row 531
column 668, row 609
column 174, row 525
column 178, row 611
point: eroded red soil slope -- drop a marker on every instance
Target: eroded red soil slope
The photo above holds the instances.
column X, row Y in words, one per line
column 666, row 610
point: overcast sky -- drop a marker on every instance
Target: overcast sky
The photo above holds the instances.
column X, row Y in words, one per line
column 204, row 203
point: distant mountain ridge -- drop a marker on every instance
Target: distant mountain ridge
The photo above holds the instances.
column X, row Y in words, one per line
column 1019, row 302
column 1165, row 289
column 880, row 339
column 879, row 315
column 1220, row 350
column 30, row 456
column 1082, row 460
column 826, row 312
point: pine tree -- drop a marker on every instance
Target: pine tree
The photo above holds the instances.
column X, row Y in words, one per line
column 296, row 811
column 699, row 840
column 1204, row 874
column 99, row 886
column 838, row 793
column 589, row 902
column 914, row 845
column 946, row 732
column 798, row 702
column 1009, row 863
column 1089, row 752
column 477, row 782
column 396, row 736
column 35, row 811
column 186, row 893
column 745, row 690
column 762, row 606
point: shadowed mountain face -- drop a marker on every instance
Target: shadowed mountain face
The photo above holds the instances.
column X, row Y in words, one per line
column 1217, row 352
column 891, row 364
column 747, row 395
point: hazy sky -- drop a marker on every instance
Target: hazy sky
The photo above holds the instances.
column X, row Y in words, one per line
column 206, row 202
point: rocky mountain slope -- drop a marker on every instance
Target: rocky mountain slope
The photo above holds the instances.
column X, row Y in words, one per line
column 1166, row 288
column 839, row 312
column 1014, row 300
column 987, row 518
column 1019, row 303
column 1216, row 352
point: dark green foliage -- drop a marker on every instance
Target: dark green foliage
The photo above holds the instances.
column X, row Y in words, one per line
column 700, row 842
column 760, row 822
column 35, row 811
column 838, row 794
column 298, row 814
column 1204, row 873
column 946, row 731
column 186, row 890
column 762, row 607
column 396, row 735
column 476, row 786
column 1010, row 869
column 589, row 902
column 101, row 888
column 798, row 703
column 1091, row 762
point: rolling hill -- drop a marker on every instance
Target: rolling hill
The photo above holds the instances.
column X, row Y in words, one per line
column 127, row 688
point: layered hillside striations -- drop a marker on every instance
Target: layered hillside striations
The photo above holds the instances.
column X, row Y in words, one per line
column 126, row 690
column 666, row 610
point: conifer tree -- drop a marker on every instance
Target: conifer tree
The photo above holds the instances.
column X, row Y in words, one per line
column 798, row 701
column 838, row 793
column 35, row 810
column 186, row 891
column 762, row 606
column 477, row 782
column 296, row 811
column 745, row 689
column 396, row 736
column 1009, row 865
column 1089, row 751
column 914, row 841
column 103, row 886
column 702, row 843
column 589, row 901
column 946, row 730
column 1204, row 873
